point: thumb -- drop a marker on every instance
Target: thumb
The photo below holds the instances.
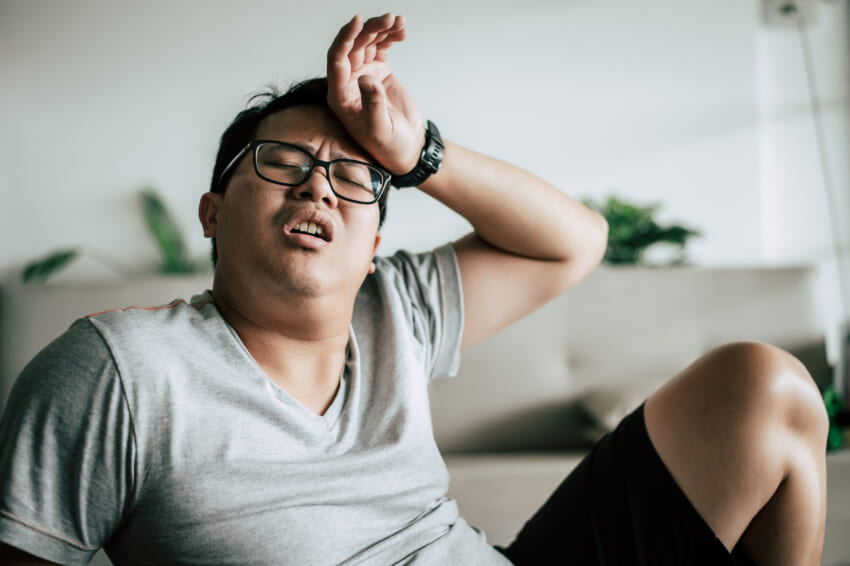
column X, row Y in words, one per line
column 374, row 100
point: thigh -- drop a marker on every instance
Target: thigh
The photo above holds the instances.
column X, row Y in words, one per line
column 619, row 506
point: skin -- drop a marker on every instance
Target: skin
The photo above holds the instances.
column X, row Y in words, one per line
column 742, row 430
column 291, row 305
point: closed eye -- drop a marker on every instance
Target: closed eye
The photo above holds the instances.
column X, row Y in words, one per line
column 286, row 166
column 351, row 182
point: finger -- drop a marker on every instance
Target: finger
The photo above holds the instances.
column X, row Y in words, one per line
column 375, row 29
column 374, row 99
column 342, row 44
column 382, row 23
column 394, row 34
column 369, row 52
column 393, row 37
column 363, row 50
column 399, row 24
column 344, row 40
column 394, row 23
column 387, row 42
column 373, row 46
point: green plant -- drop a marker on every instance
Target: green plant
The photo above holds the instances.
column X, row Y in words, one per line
column 632, row 229
column 837, row 417
column 167, row 234
column 160, row 223
column 42, row 269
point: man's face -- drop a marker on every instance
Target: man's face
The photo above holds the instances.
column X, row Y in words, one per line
column 259, row 226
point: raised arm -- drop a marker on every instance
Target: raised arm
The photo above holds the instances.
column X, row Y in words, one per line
column 530, row 243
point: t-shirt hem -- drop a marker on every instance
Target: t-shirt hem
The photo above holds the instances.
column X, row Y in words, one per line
column 448, row 362
column 40, row 542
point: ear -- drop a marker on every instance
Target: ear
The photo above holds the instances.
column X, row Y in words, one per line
column 374, row 252
column 208, row 210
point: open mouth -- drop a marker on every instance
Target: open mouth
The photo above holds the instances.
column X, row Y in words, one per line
column 310, row 229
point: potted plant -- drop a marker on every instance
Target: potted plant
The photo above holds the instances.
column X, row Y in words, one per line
column 632, row 229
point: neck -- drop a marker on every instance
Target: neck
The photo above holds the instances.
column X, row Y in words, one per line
column 300, row 343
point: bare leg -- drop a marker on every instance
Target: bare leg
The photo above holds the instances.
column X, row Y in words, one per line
column 743, row 432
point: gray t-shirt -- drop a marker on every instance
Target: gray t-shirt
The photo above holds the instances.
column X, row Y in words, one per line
column 154, row 433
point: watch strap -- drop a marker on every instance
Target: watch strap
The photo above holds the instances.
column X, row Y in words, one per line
column 429, row 160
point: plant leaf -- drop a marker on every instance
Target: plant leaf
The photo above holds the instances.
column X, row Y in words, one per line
column 166, row 233
column 41, row 269
column 632, row 229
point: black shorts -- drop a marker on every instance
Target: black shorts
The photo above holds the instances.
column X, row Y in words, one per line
column 620, row 506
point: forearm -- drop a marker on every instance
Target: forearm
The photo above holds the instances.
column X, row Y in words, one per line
column 514, row 210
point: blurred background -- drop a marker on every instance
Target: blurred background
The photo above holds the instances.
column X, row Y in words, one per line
column 702, row 107
column 730, row 115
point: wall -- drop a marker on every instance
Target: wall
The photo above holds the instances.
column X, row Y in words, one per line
column 804, row 141
column 693, row 104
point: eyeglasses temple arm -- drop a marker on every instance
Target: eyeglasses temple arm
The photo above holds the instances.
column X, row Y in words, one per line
column 233, row 162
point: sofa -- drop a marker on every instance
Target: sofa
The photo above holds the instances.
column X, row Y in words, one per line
column 528, row 402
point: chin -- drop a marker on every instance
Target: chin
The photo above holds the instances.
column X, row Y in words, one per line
column 301, row 286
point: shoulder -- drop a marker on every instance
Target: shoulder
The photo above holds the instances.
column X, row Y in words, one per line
column 418, row 297
column 415, row 273
column 441, row 260
column 66, row 380
column 141, row 326
column 176, row 311
column 150, row 345
column 79, row 349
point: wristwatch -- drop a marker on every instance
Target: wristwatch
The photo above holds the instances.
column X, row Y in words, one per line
column 429, row 160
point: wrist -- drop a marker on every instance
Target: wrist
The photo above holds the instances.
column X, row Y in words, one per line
column 430, row 160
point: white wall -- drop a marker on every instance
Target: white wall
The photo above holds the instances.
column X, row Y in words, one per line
column 803, row 180
column 693, row 104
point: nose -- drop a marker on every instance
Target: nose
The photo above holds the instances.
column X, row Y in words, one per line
column 317, row 188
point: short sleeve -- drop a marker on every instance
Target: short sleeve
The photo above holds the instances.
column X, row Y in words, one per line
column 67, row 455
column 431, row 284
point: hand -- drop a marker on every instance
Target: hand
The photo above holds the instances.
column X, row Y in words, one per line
column 375, row 108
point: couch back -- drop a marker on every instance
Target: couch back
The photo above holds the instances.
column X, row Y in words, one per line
column 618, row 327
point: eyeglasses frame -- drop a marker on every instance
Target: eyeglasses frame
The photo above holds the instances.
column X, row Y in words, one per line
column 254, row 145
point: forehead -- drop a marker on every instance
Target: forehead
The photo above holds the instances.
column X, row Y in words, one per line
column 314, row 127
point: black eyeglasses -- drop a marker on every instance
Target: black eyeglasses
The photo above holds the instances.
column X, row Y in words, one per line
column 289, row 165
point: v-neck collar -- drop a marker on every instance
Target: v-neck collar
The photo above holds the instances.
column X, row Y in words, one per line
column 346, row 380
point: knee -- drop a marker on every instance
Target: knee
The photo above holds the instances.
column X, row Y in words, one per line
column 770, row 382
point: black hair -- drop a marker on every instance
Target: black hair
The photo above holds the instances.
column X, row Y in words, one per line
column 244, row 127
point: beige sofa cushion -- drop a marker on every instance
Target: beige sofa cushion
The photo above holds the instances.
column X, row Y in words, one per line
column 619, row 327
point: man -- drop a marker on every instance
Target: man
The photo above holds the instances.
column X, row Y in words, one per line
column 283, row 419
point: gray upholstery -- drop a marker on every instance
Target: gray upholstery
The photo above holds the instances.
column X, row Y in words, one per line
column 617, row 327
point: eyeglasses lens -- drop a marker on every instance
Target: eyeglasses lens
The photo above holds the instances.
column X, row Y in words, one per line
column 290, row 165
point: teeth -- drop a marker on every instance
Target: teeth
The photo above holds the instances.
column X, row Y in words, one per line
column 309, row 228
